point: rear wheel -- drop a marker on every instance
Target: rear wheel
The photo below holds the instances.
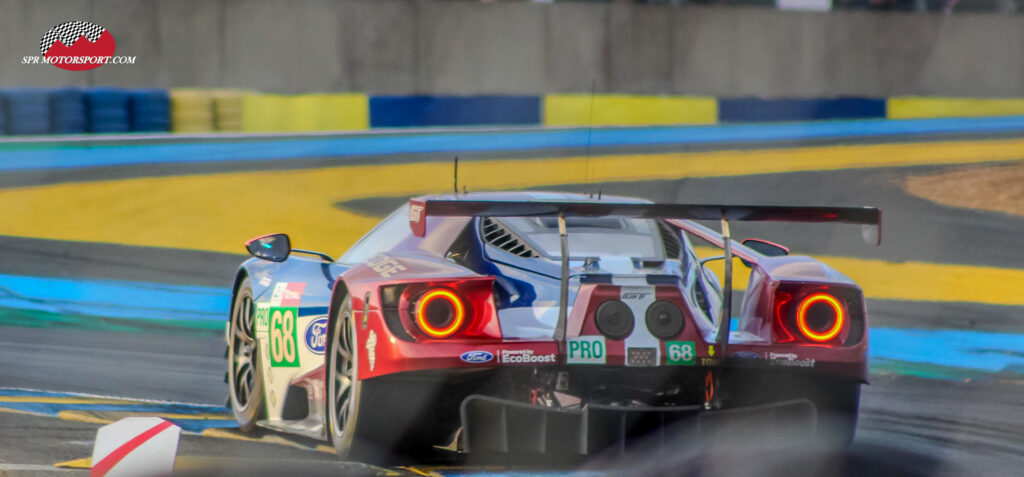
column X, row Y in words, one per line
column 377, row 420
column 244, row 380
column 343, row 386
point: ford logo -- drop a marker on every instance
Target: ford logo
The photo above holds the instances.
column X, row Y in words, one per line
column 316, row 335
column 476, row 356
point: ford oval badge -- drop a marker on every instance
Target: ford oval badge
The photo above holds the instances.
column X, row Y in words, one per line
column 476, row 356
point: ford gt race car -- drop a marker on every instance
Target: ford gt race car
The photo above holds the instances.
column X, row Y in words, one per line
column 544, row 323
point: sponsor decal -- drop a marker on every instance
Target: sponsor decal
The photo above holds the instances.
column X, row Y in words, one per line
column 746, row 355
column 262, row 317
column 283, row 341
column 681, row 353
column 634, row 296
column 790, row 359
column 371, row 349
column 525, row 356
column 415, row 212
column 316, row 335
column 641, row 356
column 476, row 356
column 287, row 294
column 587, row 350
column 265, row 281
column 77, row 46
column 384, row 265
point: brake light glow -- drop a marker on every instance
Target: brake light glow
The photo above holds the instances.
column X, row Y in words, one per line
column 839, row 317
column 440, row 313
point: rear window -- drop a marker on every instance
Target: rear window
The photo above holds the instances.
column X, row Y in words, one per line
column 590, row 237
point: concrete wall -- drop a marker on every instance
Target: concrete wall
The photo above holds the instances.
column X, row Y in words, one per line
column 423, row 47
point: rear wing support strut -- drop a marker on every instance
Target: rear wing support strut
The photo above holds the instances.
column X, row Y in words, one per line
column 725, row 319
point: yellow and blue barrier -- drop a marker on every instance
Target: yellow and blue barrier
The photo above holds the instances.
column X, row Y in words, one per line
column 25, row 111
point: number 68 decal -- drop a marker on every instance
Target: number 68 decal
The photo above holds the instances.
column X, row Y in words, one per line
column 283, row 349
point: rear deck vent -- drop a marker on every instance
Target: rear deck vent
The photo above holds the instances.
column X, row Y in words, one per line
column 499, row 236
column 670, row 237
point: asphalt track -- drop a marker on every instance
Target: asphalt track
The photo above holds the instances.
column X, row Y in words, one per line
column 967, row 422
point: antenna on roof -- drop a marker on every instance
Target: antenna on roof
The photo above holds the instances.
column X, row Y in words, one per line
column 455, row 187
column 590, row 130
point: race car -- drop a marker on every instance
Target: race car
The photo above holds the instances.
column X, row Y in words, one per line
column 545, row 323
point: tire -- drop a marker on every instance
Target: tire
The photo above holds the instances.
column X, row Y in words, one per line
column 245, row 380
column 838, row 410
column 343, row 384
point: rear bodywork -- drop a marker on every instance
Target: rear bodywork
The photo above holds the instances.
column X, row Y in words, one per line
column 503, row 378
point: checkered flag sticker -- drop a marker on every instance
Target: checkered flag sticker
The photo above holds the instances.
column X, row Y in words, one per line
column 69, row 32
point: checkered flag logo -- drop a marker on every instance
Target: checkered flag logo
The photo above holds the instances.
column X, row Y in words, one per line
column 69, row 32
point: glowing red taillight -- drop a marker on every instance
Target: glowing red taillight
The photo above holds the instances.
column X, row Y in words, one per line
column 461, row 308
column 820, row 317
column 440, row 313
column 824, row 314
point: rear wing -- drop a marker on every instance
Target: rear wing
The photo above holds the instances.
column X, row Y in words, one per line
column 869, row 217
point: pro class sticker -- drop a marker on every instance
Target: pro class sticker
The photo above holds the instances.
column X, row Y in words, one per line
column 680, row 352
column 587, row 350
column 316, row 335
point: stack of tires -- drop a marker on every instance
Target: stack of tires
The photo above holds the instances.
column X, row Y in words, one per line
column 191, row 111
column 150, row 110
column 227, row 110
column 67, row 111
column 28, row 111
column 3, row 115
column 107, row 109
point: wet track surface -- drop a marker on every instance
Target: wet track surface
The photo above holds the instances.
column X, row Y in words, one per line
column 967, row 423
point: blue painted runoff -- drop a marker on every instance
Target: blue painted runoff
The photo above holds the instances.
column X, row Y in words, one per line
column 978, row 350
column 114, row 298
column 19, row 156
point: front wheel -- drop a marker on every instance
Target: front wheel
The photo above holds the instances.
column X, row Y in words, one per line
column 244, row 380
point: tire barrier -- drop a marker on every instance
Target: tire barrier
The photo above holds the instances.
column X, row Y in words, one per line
column 191, row 111
column 227, row 110
column 107, row 109
column 28, row 111
column 67, row 111
column 150, row 110
column 305, row 112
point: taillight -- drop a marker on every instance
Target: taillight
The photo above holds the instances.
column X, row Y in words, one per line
column 441, row 309
column 820, row 317
column 818, row 314
column 440, row 313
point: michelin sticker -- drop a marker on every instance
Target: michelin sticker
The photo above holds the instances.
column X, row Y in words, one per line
column 316, row 335
column 587, row 350
column 476, row 356
column 371, row 349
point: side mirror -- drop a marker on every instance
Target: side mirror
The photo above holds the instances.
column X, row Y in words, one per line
column 273, row 247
